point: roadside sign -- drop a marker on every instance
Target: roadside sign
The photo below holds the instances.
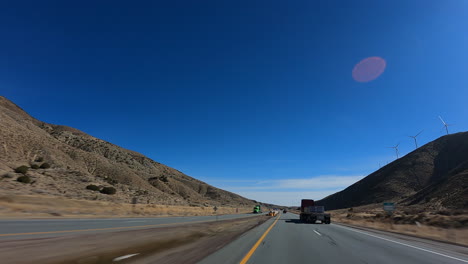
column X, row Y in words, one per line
column 215, row 209
column 389, row 207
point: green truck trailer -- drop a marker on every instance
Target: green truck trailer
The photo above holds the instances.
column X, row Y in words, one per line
column 257, row 209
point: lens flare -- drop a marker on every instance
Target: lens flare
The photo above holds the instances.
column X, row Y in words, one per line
column 369, row 69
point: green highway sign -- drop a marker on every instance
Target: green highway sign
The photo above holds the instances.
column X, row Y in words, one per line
column 389, row 206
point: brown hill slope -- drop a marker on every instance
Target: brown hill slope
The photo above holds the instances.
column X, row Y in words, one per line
column 78, row 160
column 435, row 175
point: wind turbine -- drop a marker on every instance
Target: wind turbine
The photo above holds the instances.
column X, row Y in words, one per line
column 414, row 137
column 445, row 124
column 396, row 149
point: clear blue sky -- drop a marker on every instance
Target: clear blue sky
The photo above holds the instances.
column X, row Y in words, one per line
column 256, row 97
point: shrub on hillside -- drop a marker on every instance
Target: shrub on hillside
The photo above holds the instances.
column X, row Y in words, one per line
column 92, row 187
column 22, row 169
column 24, row 179
column 108, row 190
column 111, row 181
column 164, row 178
column 34, row 166
column 45, row 165
column 39, row 159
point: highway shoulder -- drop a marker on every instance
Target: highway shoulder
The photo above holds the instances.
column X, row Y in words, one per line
column 422, row 245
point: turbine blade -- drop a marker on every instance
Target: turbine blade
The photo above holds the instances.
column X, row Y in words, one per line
column 419, row 133
column 442, row 120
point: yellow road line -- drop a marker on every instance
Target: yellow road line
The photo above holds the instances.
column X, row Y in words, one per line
column 252, row 250
column 98, row 229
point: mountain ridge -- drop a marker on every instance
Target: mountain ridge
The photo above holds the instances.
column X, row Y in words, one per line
column 78, row 160
column 434, row 175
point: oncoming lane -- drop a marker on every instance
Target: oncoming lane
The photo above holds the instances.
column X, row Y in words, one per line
column 38, row 228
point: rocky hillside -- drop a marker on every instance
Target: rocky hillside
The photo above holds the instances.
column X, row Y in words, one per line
column 78, row 161
column 434, row 176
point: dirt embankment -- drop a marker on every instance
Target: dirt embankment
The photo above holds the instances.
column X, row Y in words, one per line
column 37, row 206
column 445, row 225
column 187, row 243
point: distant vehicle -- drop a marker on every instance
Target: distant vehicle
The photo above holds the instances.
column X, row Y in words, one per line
column 310, row 213
column 273, row 213
column 285, row 211
column 257, row 209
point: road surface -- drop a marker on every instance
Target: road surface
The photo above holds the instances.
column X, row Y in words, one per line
column 286, row 240
column 39, row 228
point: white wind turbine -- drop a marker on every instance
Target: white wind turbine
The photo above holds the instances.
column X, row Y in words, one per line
column 396, row 149
column 414, row 137
column 445, row 124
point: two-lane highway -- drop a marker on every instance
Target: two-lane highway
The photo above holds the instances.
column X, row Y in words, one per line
column 38, row 228
column 287, row 240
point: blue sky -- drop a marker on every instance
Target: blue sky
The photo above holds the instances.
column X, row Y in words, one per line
column 256, row 97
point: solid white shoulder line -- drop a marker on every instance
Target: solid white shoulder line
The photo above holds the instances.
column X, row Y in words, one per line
column 423, row 249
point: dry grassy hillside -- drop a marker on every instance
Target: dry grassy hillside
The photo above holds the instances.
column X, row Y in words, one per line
column 434, row 176
column 78, row 160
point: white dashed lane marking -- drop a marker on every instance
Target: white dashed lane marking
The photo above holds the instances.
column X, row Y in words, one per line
column 124, row 257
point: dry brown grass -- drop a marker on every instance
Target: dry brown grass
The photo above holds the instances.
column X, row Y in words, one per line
column 448, row 228
column 33, row 206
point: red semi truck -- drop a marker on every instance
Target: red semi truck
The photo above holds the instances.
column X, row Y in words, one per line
column 310, row 213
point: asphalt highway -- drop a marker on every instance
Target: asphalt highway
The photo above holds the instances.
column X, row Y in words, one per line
column 286, row 240
column 39, row 228
column 282, row 239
